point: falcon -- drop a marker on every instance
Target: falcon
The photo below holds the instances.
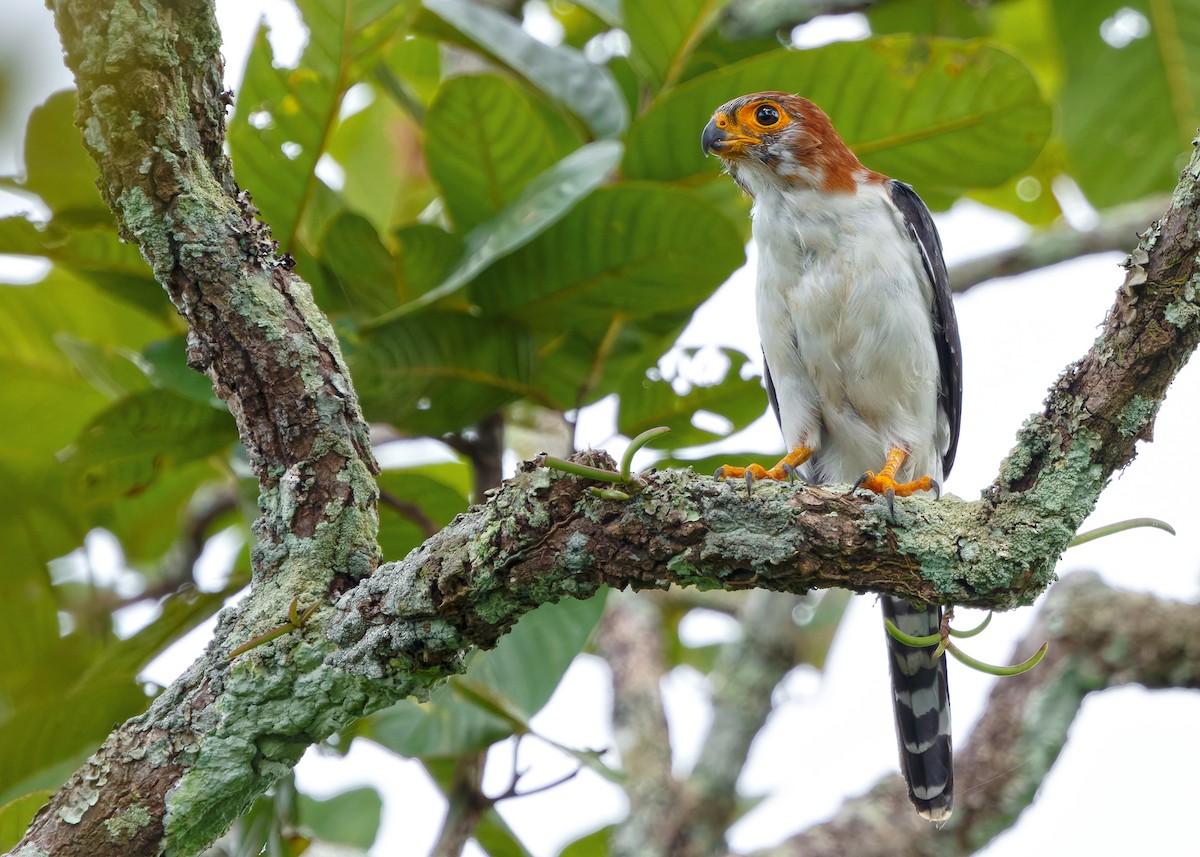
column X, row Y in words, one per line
column 862, row 361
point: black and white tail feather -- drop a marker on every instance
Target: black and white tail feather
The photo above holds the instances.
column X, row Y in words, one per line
column 921, row 704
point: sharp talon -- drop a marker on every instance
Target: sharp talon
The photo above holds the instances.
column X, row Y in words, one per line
column 791, row 471
column 720, row 474
column 749, row 481
column 936, row 488
column 861, row 481
column 891, row 498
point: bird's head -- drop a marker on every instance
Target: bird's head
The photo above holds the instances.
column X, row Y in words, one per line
column 774, row 139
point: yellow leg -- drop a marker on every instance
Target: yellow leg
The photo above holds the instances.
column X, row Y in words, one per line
column 885, row 482
column 785, row 469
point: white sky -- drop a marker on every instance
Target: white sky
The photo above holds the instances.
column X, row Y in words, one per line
column 1127, row 781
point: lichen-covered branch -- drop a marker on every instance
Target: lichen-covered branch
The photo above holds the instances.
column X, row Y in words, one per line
column 1099, row 638
column 173, row 779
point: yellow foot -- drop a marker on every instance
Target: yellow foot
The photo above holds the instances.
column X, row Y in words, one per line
column 785, row 469
column 885, row 482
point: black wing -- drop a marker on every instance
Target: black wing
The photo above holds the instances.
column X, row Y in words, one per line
column 945, row 326
column 771, row 397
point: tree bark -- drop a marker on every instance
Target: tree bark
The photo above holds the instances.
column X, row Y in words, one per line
column 173, row 779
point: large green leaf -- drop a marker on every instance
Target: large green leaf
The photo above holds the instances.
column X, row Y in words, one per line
column 582, row 365
column 435, row 372
column 350, row 818
column 664, row 33
column 16, row 815
column 483, row 143
column 629, row 250
column 50, row 727
column 364, row 267
column 545, row 200
column 41, row 516
column 932, row 17
column 123, row 450
column 93, row 252
column 1129, row 104
column 586, row 89
column 520, row 673
column 415, row 503
column 379, row 151
column 58, row 168
column 284, row 117
column 497, row 839
column 647, row 403
column 937, row 113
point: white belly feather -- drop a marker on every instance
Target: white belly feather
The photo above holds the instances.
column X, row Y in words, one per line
column 849, row 339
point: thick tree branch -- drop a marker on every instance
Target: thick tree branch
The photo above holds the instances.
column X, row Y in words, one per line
column 1099, row 638
column 173, row 779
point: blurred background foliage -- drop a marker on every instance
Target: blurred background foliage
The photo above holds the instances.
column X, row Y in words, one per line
column 504, row 231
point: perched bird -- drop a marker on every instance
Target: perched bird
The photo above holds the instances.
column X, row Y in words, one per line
column 863, row 367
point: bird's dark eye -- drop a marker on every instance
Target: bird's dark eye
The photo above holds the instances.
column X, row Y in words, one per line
column 766, row 115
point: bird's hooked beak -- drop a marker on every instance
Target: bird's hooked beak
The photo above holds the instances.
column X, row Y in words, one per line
column 717, row 138
column 714, row 139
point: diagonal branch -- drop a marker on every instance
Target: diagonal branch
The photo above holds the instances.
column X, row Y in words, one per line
column 1115, row 230
column 174, row 778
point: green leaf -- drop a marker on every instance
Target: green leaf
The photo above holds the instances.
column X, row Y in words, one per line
column 51, row 727
column 522, row 671
column 350, row 818
column 646, row 404
column 284, row 117
column 112, row 372
column 586, row 89
column 127, row 445
column 364, row 267
column 496, row 838
column 543, row 203
column 58, row 168
column 16, row 815
column 427, row 254
column 165, row 364
column 483, row 143
column 595, row 844
column 627, row 250
column 1128, row 112
column 930, row 17
column 378, row 149
column 41, row 515
column 608, row 11
column 179, row 613
column 93, row 252
column 707, row 465
column 412, row 502
column 436, row 372
column 664, row 34
column 581, row 366
column 935, row 113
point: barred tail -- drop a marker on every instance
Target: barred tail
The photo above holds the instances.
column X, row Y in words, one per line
column 921, row 701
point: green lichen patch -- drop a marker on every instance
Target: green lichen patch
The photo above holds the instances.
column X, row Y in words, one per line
column 1181, row 313
column 124, row 826
column 1138, row 411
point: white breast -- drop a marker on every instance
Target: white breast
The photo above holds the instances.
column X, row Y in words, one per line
column 845, row 316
